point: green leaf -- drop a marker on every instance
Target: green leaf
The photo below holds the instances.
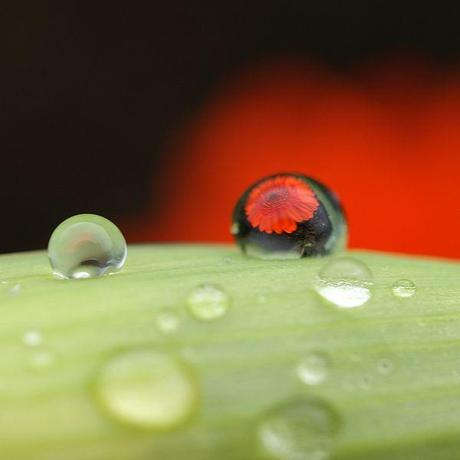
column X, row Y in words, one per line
column 393, row 378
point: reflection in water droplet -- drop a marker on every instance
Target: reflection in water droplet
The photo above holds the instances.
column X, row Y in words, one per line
column 32, row 338
column 148, row 389
column 345, row 282
column 168, row 321
column 208, row 302
column 404, row 288
column 85, row 246
column 313, row 369
column 385, row 366
column 300, row 430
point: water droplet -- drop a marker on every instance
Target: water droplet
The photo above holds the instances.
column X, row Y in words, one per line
column 32, row 338
column 365, row 383
column 85, row 246
column 385, row 366
column 262, row 299
column 404, row 288
column 300, row 430
column 42, row 359
column 313, row 369
column 208, row 302
column 345, row 282
column 15, row 289
column 288, row 216
column 168, row 321
column 148, row 389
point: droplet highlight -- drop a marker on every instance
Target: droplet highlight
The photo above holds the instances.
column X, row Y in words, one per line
column 313, row 369
column 208, row 302
column 404, row 288
column 345, row 282
column 147, row 389
column 86, row 246
column 300, row 430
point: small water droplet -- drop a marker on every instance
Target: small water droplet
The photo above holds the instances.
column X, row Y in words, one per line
column 313, row 369
column 32, row 338
column 208, row 302
column 168, row 321
column 148, row 389
column 385, row 366
column 345, row 282
column 404, row 288
column 300, row 430
column 85, row 246
column 15, row 289
column 365, row 383
column 42, row 359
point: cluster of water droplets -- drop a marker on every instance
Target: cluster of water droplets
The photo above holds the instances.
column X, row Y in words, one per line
column 149, row 388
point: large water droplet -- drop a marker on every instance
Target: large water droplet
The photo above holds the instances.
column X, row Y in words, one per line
column 300, row 430
column 85, row 246
column 404, row 288
column 313, row 369
column 288, row 216
column 345, row 282
column 208, row 302
column 148, row 389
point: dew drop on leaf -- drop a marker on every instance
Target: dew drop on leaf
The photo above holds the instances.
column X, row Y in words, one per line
column 289, row 216
column 86, row 246
column 313, row 369
column 148, row 389
column 168, row 321
column 32, row 338
column 345, row 282
column 404, row 288
column 299, row 430
column 208, row 302
column 385, row 366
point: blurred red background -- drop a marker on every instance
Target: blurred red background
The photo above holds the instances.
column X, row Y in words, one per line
column 385, row 138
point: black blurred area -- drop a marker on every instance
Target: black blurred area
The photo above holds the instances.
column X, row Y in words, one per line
column 90, row 91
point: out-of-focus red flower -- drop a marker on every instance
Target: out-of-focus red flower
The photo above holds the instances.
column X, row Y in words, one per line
column 387, row 141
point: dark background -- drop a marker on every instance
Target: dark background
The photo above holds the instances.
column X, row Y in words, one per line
column 91, row 91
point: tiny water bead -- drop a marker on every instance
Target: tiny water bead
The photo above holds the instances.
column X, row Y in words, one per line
column 313, row 369
column 404, row 288
column 345, row 282
column 32, row 338
column 208, row 302
column 300, row 430
column 85, row 246
column 148, row 389
column 289, row 216
column 385, row 366
column 168, row 321
column 15, row 289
